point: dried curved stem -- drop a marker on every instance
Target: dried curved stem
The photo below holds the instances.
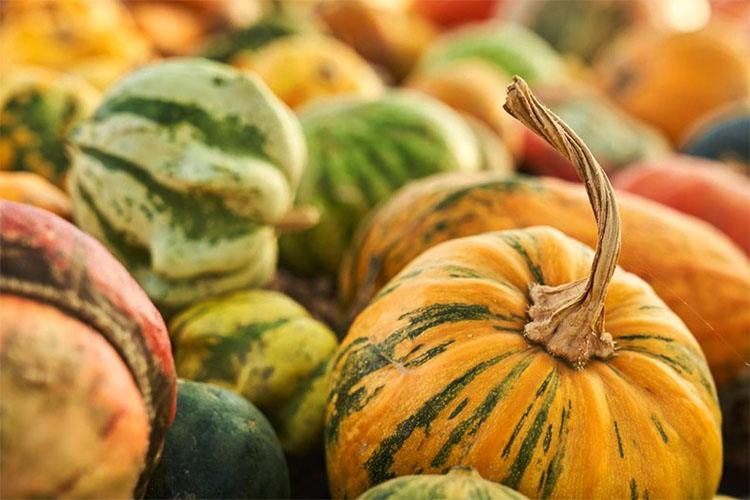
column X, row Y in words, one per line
column 569, row 319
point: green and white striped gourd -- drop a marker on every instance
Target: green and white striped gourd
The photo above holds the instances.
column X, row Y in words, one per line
column 361, row 150
column 510, row 47
column 265, row 346
column 460, row 483
column 182, row 172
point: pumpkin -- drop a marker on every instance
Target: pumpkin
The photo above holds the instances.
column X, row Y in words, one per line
column 96, row 40
column 672, row 79
column 735, row 410
column 579, row 28
column 266, row 347
column 724, row 136
column 220, row 446
column 300, row 68
column 171, row 27
column 524, row 355
column 614, row 138
column 182, row 172
column 29, row 188
column 38, row 108
column 682, row 258
column 224, row 47
column 391, row 38
column 494, row 154
column 702, row 188
column 360, row 151
column 510, row 47
column 452, row 13
column 82, row 350
column 472, row 87
column 459, row 482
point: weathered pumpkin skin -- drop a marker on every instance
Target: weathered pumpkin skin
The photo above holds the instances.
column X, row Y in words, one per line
column 48, row 261
column 696, row 270
column 73, row 421
column 266, row 347
column 32, row 189
column 671, row 80
column 361, row 151
column 615, row 138
column 436, row 372
column 459, row 483
column 702, row 188
column 38, row 107
column 181, row 173
column 96, row 40
column 510, row 47
column 220, row 446
column 300, row 68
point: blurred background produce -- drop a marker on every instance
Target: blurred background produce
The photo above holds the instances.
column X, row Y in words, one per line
column 314, row 130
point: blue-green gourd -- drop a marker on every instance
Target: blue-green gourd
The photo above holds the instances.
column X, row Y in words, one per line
column 182, row 172
column 360, row 151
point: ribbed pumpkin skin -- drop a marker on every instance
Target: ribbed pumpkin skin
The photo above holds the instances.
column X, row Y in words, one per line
column 74, row 423
column 97, row 40
column 436, row 373
column 695, row 269
column 38, row 108
column 181, row 172
column 457, row 484
column 220, row 446
column 360, row 152
column 266, row 347
column 47, row 260
column 511, row 48
column 614, row 138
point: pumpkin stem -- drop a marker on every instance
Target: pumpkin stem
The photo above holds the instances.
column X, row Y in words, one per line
column 297, row 219
column 568, row 320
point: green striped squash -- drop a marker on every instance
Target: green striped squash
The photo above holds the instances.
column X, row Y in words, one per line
column 510, row 47
column 38, row 107
column 182, row 172
column 460, row 483
column 361, row 151
column 226, row 46
column 265, row 346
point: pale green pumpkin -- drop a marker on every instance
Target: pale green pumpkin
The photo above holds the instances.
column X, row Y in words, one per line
column 182, row 172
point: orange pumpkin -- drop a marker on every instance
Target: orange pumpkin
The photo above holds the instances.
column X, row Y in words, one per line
column 33, row 189
column 694, row 268
column 472, row 87
column 524, row 356
column 670, row 80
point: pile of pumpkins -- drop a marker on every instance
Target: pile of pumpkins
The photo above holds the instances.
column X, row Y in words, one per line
column 370, row 249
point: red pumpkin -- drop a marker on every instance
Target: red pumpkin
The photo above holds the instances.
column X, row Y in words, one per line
column 56, row 279
column 703, row 188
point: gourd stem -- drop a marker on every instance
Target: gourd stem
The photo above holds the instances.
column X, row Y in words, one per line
column 569, row 319
column 297, row 219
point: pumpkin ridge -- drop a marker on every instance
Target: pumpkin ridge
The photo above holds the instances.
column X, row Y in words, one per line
column 229, row 223
column 526, row 451
column 519, row 424
column 378, row 464
column 227, row 133
column 481, row 412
